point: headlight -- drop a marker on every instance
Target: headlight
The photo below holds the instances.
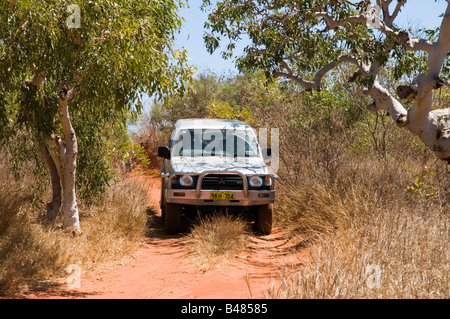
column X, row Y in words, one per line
column 186, row 180
column 255, row 181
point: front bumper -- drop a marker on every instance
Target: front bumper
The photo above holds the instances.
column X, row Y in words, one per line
column 199, row 197
column 188, row 197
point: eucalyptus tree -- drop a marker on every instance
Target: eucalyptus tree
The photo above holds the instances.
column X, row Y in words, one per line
column 303, row 40
column 60, row 62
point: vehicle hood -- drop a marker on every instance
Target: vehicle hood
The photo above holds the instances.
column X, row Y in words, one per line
column 248, row 165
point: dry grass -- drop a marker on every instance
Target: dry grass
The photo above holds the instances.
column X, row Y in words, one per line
column 32, row 251
column 368, row 236
column 354, row 212
column 216, row 239
column 116, row 227
column 392, row 255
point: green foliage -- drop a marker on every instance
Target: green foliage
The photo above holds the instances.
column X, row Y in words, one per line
column 324, row 125
column 279, row 29
column 122, row 52
column 37, row 110
column 94, row 163
column 24, row 159
column 225, row 111
column 235, row 97
column 291, row 30
column 408, row 64
column 133, row 155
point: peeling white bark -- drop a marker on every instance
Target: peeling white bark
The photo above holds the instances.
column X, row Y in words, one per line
column 432, row 127
column 60, row 158
column 69, row 208
column 56, row 150
column 383, row 100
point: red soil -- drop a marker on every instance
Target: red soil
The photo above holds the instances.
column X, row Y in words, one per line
column 161, row 269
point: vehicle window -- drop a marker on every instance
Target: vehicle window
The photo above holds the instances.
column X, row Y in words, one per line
column 215, row 142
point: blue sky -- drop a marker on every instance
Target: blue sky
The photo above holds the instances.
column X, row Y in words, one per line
column 418, row 12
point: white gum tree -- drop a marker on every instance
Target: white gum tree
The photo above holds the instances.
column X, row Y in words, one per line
column 65, row 66
column 304, row 40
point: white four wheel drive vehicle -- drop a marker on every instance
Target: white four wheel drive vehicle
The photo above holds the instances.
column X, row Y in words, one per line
column 214, row 162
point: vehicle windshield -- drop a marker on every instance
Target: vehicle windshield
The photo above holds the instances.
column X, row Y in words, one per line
column 215, row 142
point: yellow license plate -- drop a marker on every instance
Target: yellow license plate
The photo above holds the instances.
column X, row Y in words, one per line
column 222, row 195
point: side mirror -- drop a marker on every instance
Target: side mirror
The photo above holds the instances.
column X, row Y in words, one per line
column 267, row 153
column 163, row 151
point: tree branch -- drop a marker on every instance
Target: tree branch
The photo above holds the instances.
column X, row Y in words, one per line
column 444, row 36
column 15, row 34
column 388, row 19
column 57, row 149
column 308, row 85
column 317, row 83
column 333, row 23
column 38, row 78
column 383, row 100
column 419, row 45
column 437, row 54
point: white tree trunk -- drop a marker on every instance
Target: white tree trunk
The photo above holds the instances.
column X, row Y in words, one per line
column 69, row 206
column 60, row 158
column 432, row 127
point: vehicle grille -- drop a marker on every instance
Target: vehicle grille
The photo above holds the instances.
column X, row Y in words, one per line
column 222, row 182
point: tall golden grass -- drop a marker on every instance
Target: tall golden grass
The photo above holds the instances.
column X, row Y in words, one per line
column 368, row 234
column 367, row 201
column 33, row 252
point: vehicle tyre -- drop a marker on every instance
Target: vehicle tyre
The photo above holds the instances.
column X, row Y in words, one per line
column 263, row 223
column 163, row 212
column 172, row 218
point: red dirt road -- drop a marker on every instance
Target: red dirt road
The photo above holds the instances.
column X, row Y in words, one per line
column 162, row 269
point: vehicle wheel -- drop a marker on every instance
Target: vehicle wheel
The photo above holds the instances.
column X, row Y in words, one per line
column 172, row 218
column 263, row 223
column 163, row 212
